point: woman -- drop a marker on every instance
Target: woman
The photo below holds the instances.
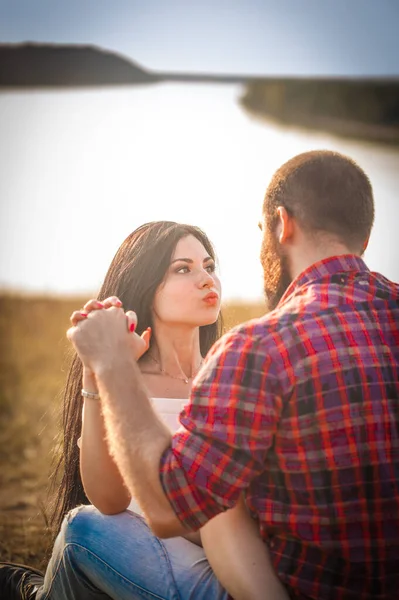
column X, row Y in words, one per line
column 165, row 272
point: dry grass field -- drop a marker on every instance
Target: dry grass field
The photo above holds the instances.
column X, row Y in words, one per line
column 34, row 360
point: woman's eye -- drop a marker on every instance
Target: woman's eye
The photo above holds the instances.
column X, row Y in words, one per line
column 211, row 268
column 182, row 270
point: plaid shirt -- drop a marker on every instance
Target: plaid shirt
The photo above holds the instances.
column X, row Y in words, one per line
column 300, row 409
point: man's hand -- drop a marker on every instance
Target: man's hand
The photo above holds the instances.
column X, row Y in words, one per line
column 102, row 331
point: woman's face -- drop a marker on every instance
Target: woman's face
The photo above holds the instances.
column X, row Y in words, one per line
column 190, row 292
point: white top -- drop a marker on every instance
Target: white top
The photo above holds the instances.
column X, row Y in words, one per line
column 169, row 410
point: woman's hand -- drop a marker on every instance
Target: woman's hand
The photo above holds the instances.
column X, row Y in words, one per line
column 140, row 344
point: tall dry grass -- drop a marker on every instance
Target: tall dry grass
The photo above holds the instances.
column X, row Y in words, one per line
column 34, row 360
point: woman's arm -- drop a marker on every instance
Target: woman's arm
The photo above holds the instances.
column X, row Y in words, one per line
column 239, row 557
column 101, row 478
column 102, row 482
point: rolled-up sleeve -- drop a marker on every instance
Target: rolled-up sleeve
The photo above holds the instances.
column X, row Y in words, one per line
column 229, row 425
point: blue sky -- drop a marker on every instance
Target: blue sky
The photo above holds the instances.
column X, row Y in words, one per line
column 294, row 37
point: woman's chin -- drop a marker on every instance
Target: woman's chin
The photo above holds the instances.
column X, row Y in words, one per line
column 210, row 318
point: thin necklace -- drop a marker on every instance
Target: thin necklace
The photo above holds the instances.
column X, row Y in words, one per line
column 164, row 372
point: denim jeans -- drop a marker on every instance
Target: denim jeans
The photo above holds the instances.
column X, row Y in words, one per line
column 100, row 557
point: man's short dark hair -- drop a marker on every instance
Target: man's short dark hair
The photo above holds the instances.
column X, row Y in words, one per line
column 325, row 192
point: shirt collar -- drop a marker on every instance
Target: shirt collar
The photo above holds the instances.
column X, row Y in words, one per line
column 324, row 268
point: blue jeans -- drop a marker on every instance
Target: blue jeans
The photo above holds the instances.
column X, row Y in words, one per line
column 100, row 557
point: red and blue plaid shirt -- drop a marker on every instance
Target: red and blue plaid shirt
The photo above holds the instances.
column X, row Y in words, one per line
column 300, row 409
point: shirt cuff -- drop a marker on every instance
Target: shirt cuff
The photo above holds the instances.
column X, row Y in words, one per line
column 192, row 507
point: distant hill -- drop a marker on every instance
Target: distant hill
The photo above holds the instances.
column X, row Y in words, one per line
column 358, row 109
column 50, row 65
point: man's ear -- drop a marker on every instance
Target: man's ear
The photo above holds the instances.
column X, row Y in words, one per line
column 285, row 227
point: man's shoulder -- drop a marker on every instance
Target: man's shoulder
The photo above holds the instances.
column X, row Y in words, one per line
column 258, row 333
column 384, row 286
column 305, row 304
column 334, row 292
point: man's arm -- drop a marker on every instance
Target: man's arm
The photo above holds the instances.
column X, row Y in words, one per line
column 137, row 439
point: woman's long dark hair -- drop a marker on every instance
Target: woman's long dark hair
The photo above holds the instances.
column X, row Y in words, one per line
column 137, row 270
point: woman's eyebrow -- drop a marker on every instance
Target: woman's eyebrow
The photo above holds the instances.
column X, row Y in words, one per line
column 190, row 261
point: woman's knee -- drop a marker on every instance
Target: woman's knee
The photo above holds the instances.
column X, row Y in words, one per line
column 82, row 524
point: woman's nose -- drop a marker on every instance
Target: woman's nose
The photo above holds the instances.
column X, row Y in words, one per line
column 206, row 279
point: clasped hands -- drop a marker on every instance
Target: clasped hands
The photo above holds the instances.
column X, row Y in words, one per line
column 102, row 332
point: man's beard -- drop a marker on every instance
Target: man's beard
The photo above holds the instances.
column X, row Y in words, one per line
column 276, row 276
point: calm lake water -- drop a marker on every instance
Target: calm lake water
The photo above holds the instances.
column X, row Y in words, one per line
column 83, row 169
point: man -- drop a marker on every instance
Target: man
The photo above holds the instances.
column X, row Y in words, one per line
column 298, row 409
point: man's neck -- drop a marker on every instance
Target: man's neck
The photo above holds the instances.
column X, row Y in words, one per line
column 301, row 258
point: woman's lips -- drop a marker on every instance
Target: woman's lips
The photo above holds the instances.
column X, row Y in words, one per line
column 211, row 298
